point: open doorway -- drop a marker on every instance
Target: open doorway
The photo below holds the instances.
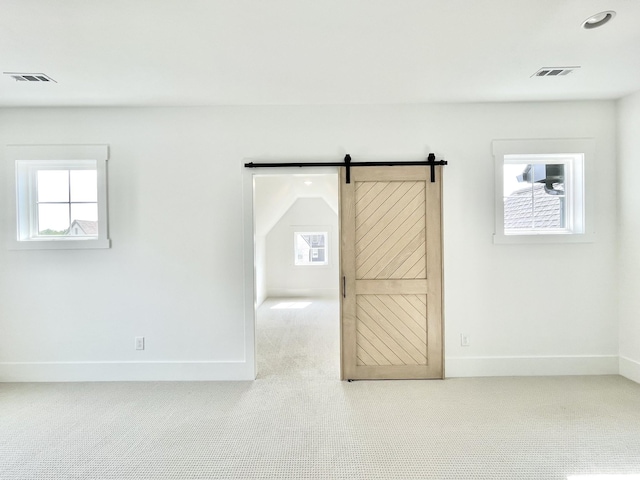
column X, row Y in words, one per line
column 297, row 267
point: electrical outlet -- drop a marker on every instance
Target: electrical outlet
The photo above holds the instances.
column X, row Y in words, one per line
column 464, row 339
column 139, row 343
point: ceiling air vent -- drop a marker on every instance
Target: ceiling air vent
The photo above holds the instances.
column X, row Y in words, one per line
column 30, row 77
column 554, row 71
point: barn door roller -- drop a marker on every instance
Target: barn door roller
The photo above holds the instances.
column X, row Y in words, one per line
column 347, row 163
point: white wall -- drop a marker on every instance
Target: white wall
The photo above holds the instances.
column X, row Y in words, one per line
column 286, row 279
column 260, row 268
column 68, row 315
column 629, row 235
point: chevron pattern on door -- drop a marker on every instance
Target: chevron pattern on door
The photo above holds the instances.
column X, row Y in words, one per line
column 391, row 256
column 391, row 329
column 390, row 230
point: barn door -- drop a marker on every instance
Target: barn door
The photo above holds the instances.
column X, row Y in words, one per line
column 391, row 256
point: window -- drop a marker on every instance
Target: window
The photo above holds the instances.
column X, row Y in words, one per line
column 540, row 193
column 310, row 248
column 61, row 197
column 537, row 193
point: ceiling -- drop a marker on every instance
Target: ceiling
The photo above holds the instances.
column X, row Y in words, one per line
column 275, row 194
column 303, row 52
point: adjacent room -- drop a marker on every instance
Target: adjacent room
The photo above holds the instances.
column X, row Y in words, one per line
column 297, row 275
column 237, row 238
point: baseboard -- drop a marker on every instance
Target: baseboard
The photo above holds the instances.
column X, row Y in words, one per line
column 124, row 371
column 225, row 371
column 531, row 366
column 260, row 299
column 630, row 369
column 302, row 292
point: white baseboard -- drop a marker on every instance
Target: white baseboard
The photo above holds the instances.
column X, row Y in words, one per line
column 224, row 371
column 531, row 366
column 302, row 292
column 260, row 299
column 630, row 369
column 124, row 371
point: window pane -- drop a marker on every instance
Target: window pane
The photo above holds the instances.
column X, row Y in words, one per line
column 549, row 209
column 534, row 197
column 53, row 185
column 317, row 254
column 518, row 197
column 84, row 185
column 84, row 219
column 53, row 219
column 549, row 200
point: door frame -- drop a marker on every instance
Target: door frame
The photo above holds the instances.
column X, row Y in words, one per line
column 249, row 247
column 249, row 302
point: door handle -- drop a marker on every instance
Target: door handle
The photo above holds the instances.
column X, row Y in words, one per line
column 344, row 287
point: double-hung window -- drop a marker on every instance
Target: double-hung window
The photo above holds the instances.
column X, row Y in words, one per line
column 541, row 193
column 60, row 196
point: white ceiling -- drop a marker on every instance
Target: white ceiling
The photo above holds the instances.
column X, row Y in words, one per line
column 265, row 52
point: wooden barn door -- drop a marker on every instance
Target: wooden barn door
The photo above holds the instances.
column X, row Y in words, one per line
column 391, row 258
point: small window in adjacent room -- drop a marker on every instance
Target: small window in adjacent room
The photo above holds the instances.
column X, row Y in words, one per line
column 539, row 192
column 311, row 248
column 60, row 197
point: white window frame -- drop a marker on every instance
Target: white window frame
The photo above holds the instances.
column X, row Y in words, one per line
column 324, row 232
column 577, row 156
column 27, row 160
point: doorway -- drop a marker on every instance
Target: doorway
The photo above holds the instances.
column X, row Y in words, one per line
column 391, row 323
column 296, row 258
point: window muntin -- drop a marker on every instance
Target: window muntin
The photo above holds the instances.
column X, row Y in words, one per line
column 310, row 248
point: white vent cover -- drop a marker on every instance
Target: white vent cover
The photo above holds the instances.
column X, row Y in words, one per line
column 554, row 71
column 30, row 77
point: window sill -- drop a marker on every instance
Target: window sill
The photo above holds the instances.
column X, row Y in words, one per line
column 59, row 244
column 544, row 238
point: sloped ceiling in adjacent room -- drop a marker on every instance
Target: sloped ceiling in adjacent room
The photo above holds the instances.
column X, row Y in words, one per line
column 275, row 194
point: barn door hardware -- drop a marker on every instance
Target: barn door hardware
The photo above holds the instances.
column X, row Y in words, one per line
column 348, row 164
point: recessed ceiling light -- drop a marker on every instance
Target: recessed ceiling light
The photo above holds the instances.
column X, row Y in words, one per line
column 598, row 19
column 308, row 182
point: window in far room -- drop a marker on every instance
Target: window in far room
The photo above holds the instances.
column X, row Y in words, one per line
column 310, row 248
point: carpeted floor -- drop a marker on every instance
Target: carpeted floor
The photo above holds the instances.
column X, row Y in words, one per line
column 303, row 423
column 298, row 337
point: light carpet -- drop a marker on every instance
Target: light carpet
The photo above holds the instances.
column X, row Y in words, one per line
column 300, row 422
